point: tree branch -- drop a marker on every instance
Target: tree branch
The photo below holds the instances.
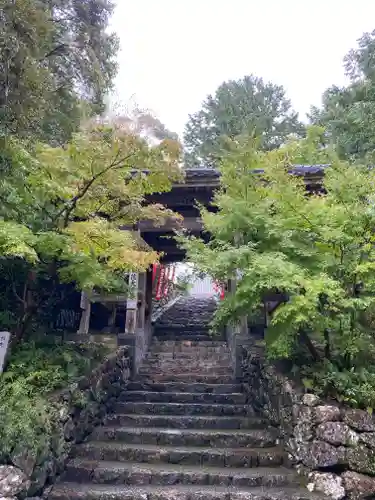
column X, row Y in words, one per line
column 58, row 50
column 16, row 294
column 72, row 203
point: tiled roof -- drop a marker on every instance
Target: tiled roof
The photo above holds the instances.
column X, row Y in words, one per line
column 202, row 173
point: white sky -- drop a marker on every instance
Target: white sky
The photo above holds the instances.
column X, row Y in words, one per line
column 175, row 52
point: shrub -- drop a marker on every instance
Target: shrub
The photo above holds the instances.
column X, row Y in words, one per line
column 35, row 370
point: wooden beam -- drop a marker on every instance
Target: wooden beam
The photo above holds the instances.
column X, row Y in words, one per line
column 193, row 224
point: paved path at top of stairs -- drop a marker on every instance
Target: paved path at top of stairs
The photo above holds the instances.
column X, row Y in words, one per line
column 182, row 431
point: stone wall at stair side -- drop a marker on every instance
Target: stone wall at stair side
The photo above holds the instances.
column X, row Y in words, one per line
column 333, row 445
column 77, row 410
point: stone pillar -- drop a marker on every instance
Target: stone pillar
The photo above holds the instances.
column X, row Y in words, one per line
column 131, row 305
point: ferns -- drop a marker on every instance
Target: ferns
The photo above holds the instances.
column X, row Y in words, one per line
column 26, row 414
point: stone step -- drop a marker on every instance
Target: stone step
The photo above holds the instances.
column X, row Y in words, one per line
column 132, row 473
column 193, row 365
column 141, row 408
column 185, row 421
column 194, row 360
column 192, row 378
column 209, row 457
column 169, row 356
column 187, row 344
column 183, row 397
column 190, row 354
column 183, row 368
column 186, row 337
column 188, row 347
column 176, row 387
column 182, row 324
column 75, row 491
column 215, row 438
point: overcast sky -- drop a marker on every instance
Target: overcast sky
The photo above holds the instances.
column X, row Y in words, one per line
column 175, row 52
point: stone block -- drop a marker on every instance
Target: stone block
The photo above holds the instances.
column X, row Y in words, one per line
column 327, row 413
column 327, row 483
column 320, row 455
column 12, row 481
column 337, row 433
column 359, row 420
column 358, row 486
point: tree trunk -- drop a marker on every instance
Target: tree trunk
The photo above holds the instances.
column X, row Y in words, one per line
column 327, row 347
column 310, row 346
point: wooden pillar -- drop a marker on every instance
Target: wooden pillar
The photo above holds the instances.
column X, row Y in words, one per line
column 131, row 305
column 85, row 305
column 141, row 312
column 148, row 301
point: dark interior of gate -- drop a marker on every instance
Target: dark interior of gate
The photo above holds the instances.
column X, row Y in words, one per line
column 198, row 187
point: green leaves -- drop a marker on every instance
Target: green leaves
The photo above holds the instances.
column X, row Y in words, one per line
column 63, row 212
column 317, row 250
column 27, row 415
column 348, row 113
column 17, row 241
column 240, row 109
column 57, row 63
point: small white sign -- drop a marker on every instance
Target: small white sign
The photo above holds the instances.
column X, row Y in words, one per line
column 4, row 342
column 131, row 304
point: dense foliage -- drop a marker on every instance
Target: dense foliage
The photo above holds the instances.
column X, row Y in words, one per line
column 70, row 174
column 317, row 251
column 34, row 370
column 72, row 187
column 57, row 61
column 246, row 107
column 347, row 113
column 62, row 208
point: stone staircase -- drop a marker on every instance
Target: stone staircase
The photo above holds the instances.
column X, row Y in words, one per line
column 182, row 431
column 188, row 319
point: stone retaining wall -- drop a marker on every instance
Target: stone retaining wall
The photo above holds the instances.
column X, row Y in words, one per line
column 78, row 409
column 332, row 444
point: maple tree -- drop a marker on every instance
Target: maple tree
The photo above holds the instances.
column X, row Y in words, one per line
column 317, row 251
column 62, row 208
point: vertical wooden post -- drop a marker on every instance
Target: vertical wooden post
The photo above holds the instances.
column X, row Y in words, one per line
column 149, row 290
column 141, row 313
column 131, row 305
column 112, row 317
column 85, row 305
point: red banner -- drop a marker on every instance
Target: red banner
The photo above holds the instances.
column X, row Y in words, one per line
column 220, row 289
column 154, row 271
column 160, row 285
